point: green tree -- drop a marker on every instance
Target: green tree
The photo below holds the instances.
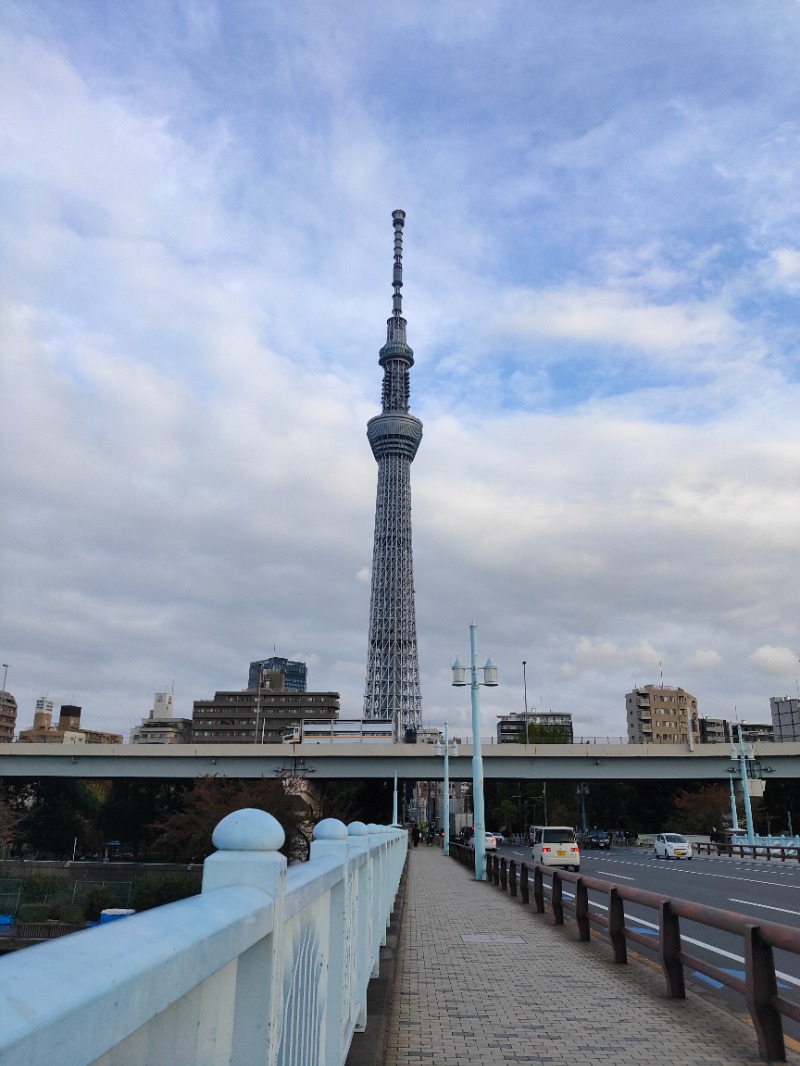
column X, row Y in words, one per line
column 548, row 734
column 185, row 834
column 702, row 810
column 58, row 814
column 133, row 807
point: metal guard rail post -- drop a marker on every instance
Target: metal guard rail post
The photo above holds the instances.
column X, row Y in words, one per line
column 267, row 964
column 759, row 988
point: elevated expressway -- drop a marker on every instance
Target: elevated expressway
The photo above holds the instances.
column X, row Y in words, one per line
column 556, row 762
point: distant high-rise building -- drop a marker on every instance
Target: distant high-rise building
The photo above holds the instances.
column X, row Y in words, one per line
column 294, row 674
column 752, row 732
column 160, row 727
column 657, row 714
column 392, row 688
column 785, row 713
column 257, row 716
column 545, row 726
column 68, row 730
column 8, row 717
column 714, row 731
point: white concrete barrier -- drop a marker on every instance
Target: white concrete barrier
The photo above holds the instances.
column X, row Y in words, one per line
column 269, row 965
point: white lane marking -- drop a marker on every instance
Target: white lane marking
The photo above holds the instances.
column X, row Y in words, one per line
column 620, row 877
column 632, row 920
column 764, row 906
column 725, row 877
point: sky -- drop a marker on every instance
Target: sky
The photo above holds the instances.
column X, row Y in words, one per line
column 602, row 271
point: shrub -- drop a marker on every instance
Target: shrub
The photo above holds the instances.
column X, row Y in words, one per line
column 39, row 888
column 153, row 890
column 33, row 912
column 98, row 899
column 72, row 913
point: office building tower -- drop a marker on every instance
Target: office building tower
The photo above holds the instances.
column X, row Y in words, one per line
column 295, row 675
column 785, row 713
column 392, row 688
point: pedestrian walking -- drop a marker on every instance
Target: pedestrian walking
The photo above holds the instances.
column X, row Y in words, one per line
column 415, row 834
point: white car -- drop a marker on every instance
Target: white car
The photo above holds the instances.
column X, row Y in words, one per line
column 490, row 843
column 672, row 846
column 498, row 837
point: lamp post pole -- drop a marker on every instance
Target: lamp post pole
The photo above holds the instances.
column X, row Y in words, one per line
column 394, row 800
column 734, row 813
column 447, row 751
column 525, row 697
column 490, row 680
column 582, row 791
column 5, row 675
column 748, row 810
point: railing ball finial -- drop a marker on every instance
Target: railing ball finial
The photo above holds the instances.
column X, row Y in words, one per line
column 330, row 829
column 248, row 830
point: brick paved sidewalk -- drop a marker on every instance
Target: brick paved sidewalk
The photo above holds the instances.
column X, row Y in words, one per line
column 482, row 979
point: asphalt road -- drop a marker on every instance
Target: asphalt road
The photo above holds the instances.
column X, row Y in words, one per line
column 764, row 891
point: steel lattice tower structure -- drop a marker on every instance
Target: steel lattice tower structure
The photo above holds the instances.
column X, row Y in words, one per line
column 393, row 690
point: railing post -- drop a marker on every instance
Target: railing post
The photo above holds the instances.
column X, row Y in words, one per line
column 330, row 841
column 556, row 900
column 248, row 841
column 524, row 883
column 582, row 910
column 762, row 988
column 670, row 946
column 377, row 842
column 538, row 889
column 358, row 841
column 616, row 926
column 512, row 877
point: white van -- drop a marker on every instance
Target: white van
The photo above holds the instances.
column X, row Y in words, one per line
column 554, row 845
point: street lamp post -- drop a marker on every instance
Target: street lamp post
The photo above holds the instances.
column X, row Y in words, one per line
column 583, row 791
column 447, row 749
column 525, row 697
column 734, row 812
column 756, row 770
column 5, row 675
column 748, row 810
column 490, row 680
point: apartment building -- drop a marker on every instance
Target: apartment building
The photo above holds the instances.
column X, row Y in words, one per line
column 658, row 714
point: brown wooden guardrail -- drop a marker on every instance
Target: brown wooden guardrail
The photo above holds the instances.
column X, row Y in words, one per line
column 767, row 1006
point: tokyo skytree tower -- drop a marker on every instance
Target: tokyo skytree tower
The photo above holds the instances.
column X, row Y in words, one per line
column 392, row 667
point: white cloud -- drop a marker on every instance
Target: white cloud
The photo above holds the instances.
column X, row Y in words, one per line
column 780, row 662
column 782, row 269
column 615, row 317
column 605, row 656
column 705, row 659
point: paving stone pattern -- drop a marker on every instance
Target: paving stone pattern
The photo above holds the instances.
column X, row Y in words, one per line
column 483, row 979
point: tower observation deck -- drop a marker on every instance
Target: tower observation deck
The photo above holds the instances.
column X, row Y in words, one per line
column 393, row 690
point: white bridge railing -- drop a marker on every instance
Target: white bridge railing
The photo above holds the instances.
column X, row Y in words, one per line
column 266, row 966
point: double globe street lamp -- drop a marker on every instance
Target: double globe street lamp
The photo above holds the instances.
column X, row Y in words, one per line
column 490, row 681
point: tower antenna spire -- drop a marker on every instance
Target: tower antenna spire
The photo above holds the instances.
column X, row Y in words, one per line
column 399, row 218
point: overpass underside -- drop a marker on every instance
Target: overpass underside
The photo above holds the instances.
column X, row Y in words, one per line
column 326, row 761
